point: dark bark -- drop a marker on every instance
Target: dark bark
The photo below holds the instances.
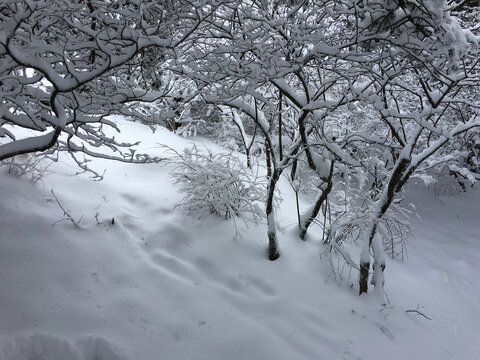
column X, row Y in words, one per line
column 363, row 281
column 268, row 160
column 273, row 253
column 365, row 266
column 280, row 145
column 249, row 162
column 293, row 173
column 399, row 177
column 303, row 136
column 318, row 204
column 299, row 218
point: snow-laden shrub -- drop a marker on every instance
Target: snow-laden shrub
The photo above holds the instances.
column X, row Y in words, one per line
column 33, row 165
column 217, row 183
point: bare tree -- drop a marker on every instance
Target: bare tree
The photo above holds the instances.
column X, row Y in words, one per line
column 369, row 93
column 66, row 66
column 377, row 91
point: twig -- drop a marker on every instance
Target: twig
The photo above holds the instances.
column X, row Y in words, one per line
column 418, row 312
column 65, row 212
column 385, row 331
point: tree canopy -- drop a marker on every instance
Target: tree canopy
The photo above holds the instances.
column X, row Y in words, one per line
column 360, row 95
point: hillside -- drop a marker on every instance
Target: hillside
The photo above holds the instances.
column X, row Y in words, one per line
column 139, row 280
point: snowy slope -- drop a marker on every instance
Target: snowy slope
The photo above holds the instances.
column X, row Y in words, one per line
column 157, row 285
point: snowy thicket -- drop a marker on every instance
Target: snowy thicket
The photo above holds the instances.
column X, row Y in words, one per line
column 361, row 96
column 370, row 95
column 218, row 184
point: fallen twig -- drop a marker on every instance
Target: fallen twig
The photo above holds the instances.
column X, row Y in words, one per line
column 65, row 212
column 418, row 312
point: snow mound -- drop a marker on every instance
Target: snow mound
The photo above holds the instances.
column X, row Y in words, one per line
column 98, row 348
column 40, row 346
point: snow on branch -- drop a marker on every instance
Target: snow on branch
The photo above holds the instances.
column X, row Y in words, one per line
column 67, row 65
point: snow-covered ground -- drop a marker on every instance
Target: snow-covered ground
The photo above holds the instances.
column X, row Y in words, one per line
column 140, row 281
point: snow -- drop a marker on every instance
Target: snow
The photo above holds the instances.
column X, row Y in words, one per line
column 139, row 280
column 44, row 347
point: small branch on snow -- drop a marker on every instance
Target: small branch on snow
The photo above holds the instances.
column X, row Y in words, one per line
column 418, row 312
column 385, row 331
column 65, row 212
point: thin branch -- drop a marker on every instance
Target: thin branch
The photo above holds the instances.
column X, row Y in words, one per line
column 418, row 312
column 65, row 212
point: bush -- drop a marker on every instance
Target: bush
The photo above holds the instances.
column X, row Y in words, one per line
column 218, row 184
column 32, row 165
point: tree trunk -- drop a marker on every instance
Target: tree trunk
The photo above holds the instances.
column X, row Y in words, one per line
column 363, row 280
column 318, row 204
column 247, row 153
column 378, row 278
column 280, row 145
column 273, row 253
column 268, row 160
column 365, row 257
column 299, row 218
column 399, row 177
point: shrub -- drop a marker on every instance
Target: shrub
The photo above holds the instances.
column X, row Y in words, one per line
column 218, row 184
column 32, row 165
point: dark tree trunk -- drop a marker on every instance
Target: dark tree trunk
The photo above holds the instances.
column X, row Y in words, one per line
column 268, row 160
column 273, row 253
column 318, row 204
column 299, row 218
column 293, row 173
column 363, row 280
column 365, row 261
column 280, row 145
column 399, row 177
